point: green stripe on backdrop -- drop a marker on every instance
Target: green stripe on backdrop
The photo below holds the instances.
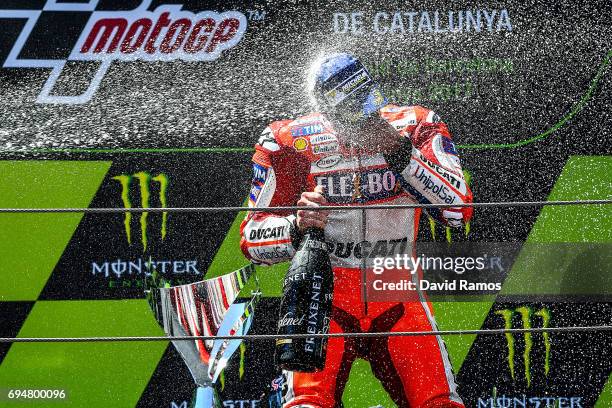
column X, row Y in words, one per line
column 92, row 374
column 31, row 244
column 605, row 399
column 582, row 178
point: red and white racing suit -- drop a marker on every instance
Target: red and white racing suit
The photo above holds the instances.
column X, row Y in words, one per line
column 293, row 156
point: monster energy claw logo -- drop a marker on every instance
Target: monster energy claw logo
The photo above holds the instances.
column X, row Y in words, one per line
column 144, row 182
column 526, row 314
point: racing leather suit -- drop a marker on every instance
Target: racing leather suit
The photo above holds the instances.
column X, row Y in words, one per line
column 293, row 156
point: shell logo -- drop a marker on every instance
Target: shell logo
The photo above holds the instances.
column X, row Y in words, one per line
column 300, row 144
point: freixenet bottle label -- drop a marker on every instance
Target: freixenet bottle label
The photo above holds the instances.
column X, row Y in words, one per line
column 306, row 306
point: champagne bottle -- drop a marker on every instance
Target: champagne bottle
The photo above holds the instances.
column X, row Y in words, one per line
column 306, row 306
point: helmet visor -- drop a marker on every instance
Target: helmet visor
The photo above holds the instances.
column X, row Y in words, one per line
column 352, row 95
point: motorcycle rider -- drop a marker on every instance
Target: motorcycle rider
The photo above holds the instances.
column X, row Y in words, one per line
column 357, row 149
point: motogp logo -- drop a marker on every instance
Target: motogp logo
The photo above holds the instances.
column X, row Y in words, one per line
column 168, row 33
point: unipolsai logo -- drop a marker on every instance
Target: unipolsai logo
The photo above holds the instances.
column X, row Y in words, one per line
column 166, row 34
column 143, row 182
column 529, row 318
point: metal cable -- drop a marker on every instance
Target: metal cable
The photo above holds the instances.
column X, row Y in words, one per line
column 574, row 329
column 295, row 208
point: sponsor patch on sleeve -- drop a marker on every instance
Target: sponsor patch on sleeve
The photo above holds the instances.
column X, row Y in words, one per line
column 307, row 129
column 300, row 144
column 260, row 174
column 325, row 148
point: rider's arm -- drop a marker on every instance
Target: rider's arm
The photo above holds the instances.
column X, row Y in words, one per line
column 433, row 174
column 269, row 237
